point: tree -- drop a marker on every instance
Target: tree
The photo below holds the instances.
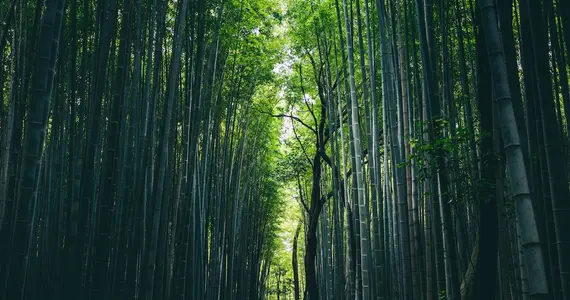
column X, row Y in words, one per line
column 516, row 167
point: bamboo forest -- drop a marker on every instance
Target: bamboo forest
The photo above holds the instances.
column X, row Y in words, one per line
column 284, row 149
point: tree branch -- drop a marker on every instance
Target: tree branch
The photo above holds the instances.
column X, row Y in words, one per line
column 288, row 116
column 303, row 91
column 302, row 147
column 301, row 194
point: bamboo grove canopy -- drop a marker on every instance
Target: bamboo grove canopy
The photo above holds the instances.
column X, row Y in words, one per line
column 295, row 149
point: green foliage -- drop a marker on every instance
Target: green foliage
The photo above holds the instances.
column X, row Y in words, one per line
column 424, row 154
column 423, row 150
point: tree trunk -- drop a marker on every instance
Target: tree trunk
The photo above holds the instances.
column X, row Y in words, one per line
column 38, row 111
column 517, row 173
